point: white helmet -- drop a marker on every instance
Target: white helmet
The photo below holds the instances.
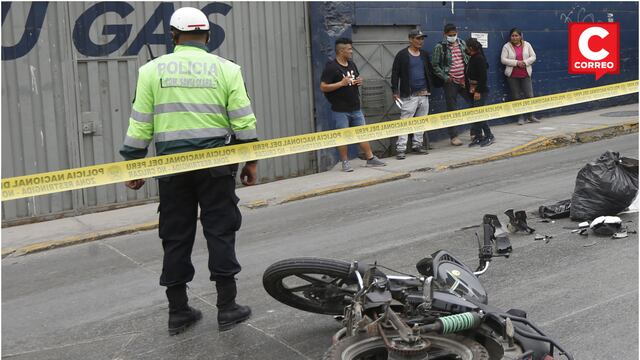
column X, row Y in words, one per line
column 189, row 19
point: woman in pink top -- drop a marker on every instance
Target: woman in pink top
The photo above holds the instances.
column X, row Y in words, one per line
column 518, row 56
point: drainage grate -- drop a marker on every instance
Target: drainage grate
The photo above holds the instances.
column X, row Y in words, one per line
column 620, row 114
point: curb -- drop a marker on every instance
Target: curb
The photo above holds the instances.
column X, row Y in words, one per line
column 605, row 132
column 542, row 143
column 348, row 186
column 93, row 236
column 79, row 239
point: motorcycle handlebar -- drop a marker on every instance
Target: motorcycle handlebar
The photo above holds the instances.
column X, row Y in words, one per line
column 482, row 268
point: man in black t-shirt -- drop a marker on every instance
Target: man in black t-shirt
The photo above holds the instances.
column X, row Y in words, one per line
column 339, row 83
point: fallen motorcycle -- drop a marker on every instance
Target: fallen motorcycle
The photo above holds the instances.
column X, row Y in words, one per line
column 442, row 314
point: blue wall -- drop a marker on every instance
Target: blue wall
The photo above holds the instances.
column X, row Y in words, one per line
column 544, row 25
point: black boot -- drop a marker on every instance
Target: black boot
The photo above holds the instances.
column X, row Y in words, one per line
column 521, row 217
column 513, row 225
column 229, row 313
column 181, row 315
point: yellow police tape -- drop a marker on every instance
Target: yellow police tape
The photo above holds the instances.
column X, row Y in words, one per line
column 72, row 179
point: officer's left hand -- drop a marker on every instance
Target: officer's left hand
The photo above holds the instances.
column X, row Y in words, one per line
column 134, row 184
column 249, row 174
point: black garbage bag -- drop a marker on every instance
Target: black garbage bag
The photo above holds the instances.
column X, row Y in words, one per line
column 558, row 210
column 604, row 187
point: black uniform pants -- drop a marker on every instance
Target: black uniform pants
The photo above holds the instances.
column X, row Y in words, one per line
column 180, row 196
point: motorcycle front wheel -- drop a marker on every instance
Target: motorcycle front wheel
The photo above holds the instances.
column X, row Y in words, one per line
column 317, row 285
column 367, row 347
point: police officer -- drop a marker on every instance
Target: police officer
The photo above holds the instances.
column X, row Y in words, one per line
column 191, row 100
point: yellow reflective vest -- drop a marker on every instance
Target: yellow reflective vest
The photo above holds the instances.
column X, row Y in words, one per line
column 188, row 100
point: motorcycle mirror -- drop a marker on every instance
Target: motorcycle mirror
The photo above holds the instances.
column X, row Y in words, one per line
column 425, row 266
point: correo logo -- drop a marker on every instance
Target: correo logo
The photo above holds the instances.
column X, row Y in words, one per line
column 594, row 48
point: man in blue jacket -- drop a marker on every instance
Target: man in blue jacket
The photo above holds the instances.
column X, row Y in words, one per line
column 412, row 69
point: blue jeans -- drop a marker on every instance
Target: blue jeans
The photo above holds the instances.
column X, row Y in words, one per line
column 521, row 88
column 348, row 119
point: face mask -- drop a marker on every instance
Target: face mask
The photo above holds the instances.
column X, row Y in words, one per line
column 452, row 38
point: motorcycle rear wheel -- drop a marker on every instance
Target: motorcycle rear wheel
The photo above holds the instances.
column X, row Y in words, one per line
column 316, row 285
column 367, row 347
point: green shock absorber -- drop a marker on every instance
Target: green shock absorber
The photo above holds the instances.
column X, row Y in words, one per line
column 459, row 322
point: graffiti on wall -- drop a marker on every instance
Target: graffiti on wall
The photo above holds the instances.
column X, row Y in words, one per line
column 577, row 14
column 121, row 32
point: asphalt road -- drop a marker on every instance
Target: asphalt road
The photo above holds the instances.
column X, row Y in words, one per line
column 101, row 300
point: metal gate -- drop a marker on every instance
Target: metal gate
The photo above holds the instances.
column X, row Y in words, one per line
column 374, row 48
column 105, row 88
column 69, row 72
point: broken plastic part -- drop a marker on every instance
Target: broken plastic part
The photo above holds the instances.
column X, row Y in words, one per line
column 620, row 235
column 546, row 238
column 606, row 220
column 497, row 233
column 606, row 225
column 503, row 245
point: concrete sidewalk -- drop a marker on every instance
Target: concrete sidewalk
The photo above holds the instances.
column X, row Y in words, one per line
column 511, row 140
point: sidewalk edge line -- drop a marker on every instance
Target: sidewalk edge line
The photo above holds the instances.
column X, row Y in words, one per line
column 88, row 237
column 343, row 187
column 544, row 143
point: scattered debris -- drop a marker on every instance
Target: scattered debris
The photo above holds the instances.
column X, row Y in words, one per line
column 582, row 229
column 606, row 225
column 500, row 237
column 518, row 221
column 559, row 210
column 546, row 238
column 620, row 235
